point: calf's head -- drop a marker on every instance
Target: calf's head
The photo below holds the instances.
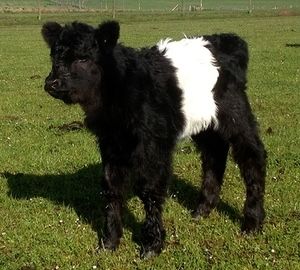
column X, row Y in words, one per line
column 77, row 51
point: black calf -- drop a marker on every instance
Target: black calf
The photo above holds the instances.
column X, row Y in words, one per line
column 140, row 102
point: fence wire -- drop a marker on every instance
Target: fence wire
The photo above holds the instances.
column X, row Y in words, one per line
column 156, row 5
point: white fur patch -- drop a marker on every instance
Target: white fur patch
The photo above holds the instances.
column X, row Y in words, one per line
column 197, row 75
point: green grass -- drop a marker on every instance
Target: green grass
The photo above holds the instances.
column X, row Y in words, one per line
column 49, row 176
column 156, row 4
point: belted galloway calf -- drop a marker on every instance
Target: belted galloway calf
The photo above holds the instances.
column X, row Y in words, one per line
column 140, row 102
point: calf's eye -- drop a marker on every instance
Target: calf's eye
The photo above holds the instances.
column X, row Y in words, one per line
column 82, row 60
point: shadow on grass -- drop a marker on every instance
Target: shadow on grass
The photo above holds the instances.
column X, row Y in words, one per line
column 82, row 192
column 293, row 45
column 187, row 195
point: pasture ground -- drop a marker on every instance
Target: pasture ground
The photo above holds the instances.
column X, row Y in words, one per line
column 50, row 202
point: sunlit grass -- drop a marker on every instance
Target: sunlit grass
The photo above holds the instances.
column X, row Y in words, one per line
column 49, row 176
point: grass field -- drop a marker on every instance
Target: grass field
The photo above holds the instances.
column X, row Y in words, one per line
column 155, row 4
column 49, row 170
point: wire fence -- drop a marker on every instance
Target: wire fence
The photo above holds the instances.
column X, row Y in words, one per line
column 194, row 5
column 154, row 5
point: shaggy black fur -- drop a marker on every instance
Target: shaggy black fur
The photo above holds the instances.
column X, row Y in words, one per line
column 132, row 104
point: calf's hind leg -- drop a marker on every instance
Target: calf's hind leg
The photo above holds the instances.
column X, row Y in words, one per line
column 250, row 155
column 214, row 151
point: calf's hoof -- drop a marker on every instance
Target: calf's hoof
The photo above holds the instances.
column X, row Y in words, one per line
column 109, row 244
column 251, row 225
column 147, row 252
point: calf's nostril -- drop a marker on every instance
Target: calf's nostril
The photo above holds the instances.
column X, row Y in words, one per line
column 54, row 84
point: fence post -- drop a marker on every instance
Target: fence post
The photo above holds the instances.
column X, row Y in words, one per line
column 39, row 10
column 250, row 7
column 114, row 9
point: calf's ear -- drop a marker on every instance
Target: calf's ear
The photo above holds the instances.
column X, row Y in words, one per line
column 107, row 35
column 50, row 32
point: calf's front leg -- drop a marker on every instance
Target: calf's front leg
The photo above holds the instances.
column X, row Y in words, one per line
column 113, row 189
column 152, row 191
